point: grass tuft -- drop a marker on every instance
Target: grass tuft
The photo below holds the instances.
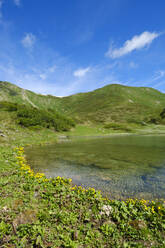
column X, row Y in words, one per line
column 43, row 212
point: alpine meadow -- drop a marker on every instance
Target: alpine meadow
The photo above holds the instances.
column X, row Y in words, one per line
column 82, row 124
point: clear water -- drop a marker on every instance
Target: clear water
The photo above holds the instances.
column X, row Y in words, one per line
column 119, row 166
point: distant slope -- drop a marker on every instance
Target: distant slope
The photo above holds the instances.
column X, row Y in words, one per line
column 108, row 104
column 13, row 93
column 116, row 103
column 17, row 107
column 26, row 98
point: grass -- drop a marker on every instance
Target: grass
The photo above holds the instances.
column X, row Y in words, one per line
column 37, row 212
column 42, row 212
column 92, row 130
column 35, row 118
column 100, row 130
column 115, row 103
column 82, row 130
column 112, row 103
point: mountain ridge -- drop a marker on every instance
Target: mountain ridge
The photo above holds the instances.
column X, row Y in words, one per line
column 111, row 103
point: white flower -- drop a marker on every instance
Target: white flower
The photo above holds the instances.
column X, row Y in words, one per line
column 106, row 209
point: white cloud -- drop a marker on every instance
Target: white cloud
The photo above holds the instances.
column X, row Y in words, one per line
column 158, row 85
column 43, row 76
column 136, row 43
column 158, row 75
column 81, row 72
column 17, row 2
column 115, row 64
column 28, row 40
column 133, row 65
column 52, row 68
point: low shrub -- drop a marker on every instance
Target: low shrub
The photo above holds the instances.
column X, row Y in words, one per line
column 31, row 117
column 117, row 126
column 8, row 106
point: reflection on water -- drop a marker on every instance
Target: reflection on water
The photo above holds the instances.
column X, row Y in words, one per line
column 119, row 166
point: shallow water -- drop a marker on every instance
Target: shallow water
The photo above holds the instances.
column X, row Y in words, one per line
column 119, row 166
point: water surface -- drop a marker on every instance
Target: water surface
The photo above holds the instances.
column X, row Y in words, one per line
column 119, row 166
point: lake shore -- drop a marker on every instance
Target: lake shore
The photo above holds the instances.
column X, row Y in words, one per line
column 39, row 213
column 120, row 165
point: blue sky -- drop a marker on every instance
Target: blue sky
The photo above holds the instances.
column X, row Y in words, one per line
column 62, row 47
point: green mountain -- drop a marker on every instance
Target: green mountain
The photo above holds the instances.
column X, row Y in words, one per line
column 12, row 93
column 18, row 106
column 112, row 103
column 115, row 103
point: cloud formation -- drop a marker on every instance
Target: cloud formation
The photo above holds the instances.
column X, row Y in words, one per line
column 158, row 75
column 52, row 68
column 136, row 43
column 17, row 2
column 81, row 72
column 28, row 40
column 133, row 65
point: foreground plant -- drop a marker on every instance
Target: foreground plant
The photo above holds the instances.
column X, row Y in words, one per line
column 40, row 212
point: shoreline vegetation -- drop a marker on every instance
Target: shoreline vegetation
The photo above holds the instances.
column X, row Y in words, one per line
column 40, row 212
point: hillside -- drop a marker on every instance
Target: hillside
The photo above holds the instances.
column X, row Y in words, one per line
column 12, row 93
column 41, row 212
column 17, row 108
column 112, row 103
column 116, row 103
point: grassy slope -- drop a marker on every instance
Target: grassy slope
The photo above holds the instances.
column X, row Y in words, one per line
column 110, row 103
column 116, row 103
column 54, row 214
column 37, row 213
column 10, row 92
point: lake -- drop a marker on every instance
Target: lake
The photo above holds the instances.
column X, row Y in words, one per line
column 121, row 166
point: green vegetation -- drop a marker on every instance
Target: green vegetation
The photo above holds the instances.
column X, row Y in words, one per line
column 118, row 126
column 111, row 109
column 28, row 116
column 44, row 212
column 37, row 212
column 115, row 103
column 112, row 103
